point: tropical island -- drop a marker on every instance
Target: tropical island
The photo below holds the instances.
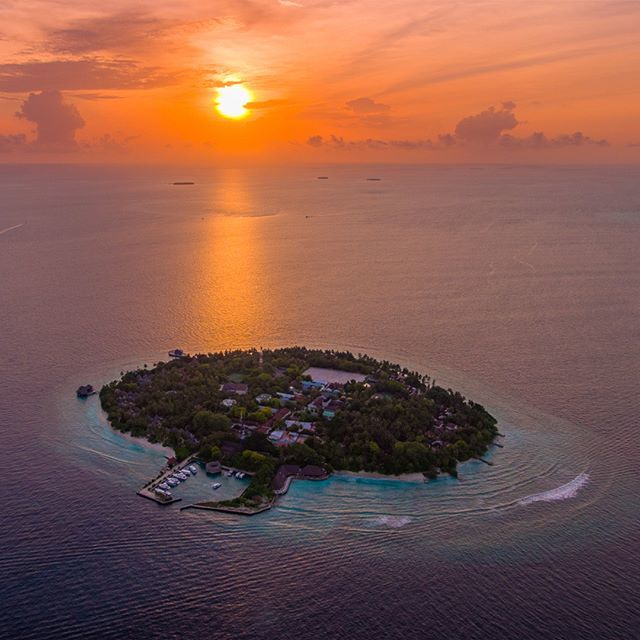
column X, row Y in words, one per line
column 297, row 413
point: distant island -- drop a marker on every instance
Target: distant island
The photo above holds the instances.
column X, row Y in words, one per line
column 297, row 413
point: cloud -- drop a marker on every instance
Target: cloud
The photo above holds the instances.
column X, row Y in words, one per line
column 12, row 142
column 115, row 32
column 338, row 142
column 266, row 104
column 487, row 126
column 290, row 3
column 84, row 74
column 366, row 106
column 539, row 140
column 56, row 120
column 481, row 130
column 96, row 96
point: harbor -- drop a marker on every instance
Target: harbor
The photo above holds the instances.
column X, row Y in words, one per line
column 159, row 489
column 175, row 475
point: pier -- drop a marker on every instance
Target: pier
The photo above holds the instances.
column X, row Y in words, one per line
column 148, row 490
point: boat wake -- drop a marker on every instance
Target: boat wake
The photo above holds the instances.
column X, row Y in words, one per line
column 564, row 492
column 15, row 226
column 394, row 522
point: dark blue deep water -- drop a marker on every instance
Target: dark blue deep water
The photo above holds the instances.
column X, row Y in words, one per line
column 518, row 286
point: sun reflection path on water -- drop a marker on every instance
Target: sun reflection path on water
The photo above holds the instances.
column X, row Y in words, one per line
column 235, row 292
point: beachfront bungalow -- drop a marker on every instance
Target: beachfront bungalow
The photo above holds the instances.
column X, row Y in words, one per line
column 308, row 472
column 239, row 388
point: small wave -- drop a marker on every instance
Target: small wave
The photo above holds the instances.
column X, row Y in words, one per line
column 564, row 492
column 394, row 522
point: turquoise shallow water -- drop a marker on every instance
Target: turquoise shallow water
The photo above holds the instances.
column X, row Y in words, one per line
column 515, row 285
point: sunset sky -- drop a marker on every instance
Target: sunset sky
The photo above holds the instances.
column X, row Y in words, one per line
column 326, row 80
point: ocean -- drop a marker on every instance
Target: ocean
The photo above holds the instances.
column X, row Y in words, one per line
column 517, row 285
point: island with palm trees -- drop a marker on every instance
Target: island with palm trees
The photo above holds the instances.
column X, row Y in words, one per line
column 281, row 414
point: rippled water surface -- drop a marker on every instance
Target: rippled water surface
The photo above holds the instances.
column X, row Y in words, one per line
column 518, row 286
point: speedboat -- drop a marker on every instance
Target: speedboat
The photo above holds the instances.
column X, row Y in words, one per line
column 172, row 482
column 192, row 468
column 216, row 485
column 229, row 473
column 175, row 479
column 177, row 353
column 164, row 486
column 181, row 476
column 186, row 471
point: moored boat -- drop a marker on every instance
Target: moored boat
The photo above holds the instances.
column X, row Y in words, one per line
column 216, row 485
column 177, row 353
column 193, row 469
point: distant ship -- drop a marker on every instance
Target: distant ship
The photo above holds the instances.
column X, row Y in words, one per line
column 183, row 183
column 85, row 391
column 374, row 179
column 177, row 353
column 323, row 177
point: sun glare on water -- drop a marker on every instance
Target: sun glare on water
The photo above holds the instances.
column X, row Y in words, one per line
column 232, row 100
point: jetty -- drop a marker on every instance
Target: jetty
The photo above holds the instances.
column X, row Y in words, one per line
column 148, row 490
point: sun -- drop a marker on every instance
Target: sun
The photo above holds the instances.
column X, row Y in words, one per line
column 232, row 100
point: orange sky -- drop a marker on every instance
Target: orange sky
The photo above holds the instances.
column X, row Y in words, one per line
column 333, row 80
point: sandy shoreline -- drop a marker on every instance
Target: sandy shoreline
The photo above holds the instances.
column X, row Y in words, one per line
column 373, row 475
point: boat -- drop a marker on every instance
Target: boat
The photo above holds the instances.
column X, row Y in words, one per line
column 172, row 482
column 216, row 485
column 374, row 179
column 228, row 473
column 185, row 471
column 85, row 391
column 181, row 476
column 164, row 486
column 323, row 177
column 192, row 468
column 239, row 475
column 182, row 183
column 178, row 353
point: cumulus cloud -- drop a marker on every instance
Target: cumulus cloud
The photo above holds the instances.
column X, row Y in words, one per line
column 56, row 120
column 487, row 126
column 366, row 106
column 487, row 129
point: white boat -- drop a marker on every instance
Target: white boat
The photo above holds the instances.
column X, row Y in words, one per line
column 181, row 476
column 229, row 473
column 185, row 471
column 192, row 468
column 216, row 485
column 164, row 486
column 175, row 479
column 172, row 482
